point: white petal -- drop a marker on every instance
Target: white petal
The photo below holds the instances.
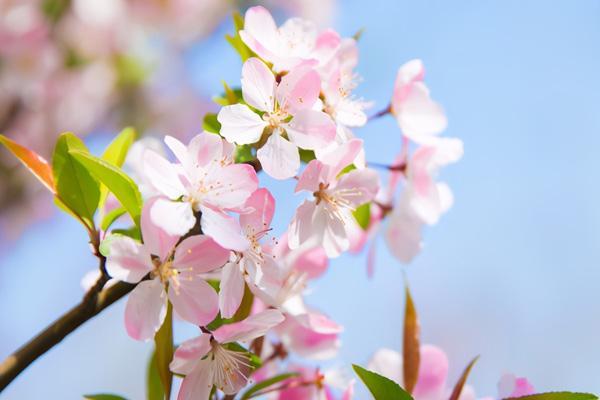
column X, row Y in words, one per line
column 145, row 310
column 240, row 125
column 258, row 85
column 279, row 158
column 174, row 217
column 162, row 175
column 232, row 289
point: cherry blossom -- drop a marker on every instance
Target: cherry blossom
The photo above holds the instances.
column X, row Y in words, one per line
column 288, row 110
column 312, row 384
column 325, row 219
column 205, row 180
column 207, row 360
column 419, row 117
column 172, row 270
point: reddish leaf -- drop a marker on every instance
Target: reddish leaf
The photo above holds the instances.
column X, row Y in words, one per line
column 33, row 161
column 411, row 351
column 462, row 380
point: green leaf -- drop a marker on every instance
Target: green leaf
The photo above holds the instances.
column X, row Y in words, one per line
column 229, row 96
column 163, row 340
column 236, row 41
column 121, row 185
column 362, row 214
column 307, row 156
column 111, row 217
column 154, row 387
column 133, row 232
column 254, row 390
column 55, row 9
column 455, row 395
column 211, row 124
column 558, row 396
column 115, row 155
column 103, row 397
column 381, row 387
column 243, row 153
column 77, row 189
column 130, row 71
column 33, row 161
column 411, row 348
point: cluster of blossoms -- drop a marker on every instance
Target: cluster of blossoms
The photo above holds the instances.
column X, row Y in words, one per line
column 202, row 248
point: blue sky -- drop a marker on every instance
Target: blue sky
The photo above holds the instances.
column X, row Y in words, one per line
column 510, row 273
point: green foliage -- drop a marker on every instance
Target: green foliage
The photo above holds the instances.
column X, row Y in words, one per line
column 130, row 71
column 54, row 9
column 163, row 341
column 154, row 387
column 236, row 41
column 255, row 390
column 103, row 397
column 77, row 190
column 229, row 96
column 111, row 217
column 307, row 156
column 243, row 153
column 115, row 155
column 559, row 396
column 211, row 124
column 363, row 215
column 121, row 185
column 30, row 159
column 132, row 232
column 381, row 387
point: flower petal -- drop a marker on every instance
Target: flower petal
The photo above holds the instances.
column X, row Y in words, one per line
column 252, row 327
column 419, row 116
column 198, row 254
column 188, row 354
column 310, row 129
column 194, row 300
column 298, row 90
column 258, row 85
column 240, row 125
column 224, row 229
column 232, row 290
column 162, row 175
column 262, row 206
column 433, row 371
column 388, row 363
column 358, row 186
column 156, row 239
column 403, row 235
column 260, row 32
column 341, row 157
column 301, row 228
column 145, row 310
column 128, row 260
column 279, row 158
column 173, row 217
column 197, row 384
column 230, row 186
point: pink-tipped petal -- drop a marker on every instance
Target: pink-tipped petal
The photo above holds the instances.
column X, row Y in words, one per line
column 298, row 90
column 173, row 217
column 252, row 327
column 279, row 158
column 199, row 254
column 145, row 310
column 156, row 239
column 188, row 354
column 262, row 206
column 128, row 260
column 258, row 85
column 240, row 125
column 301, row 227
column 224, row 229
column 232, row 290
column 403, row 235
column 342, row 156
column 260, row 32
column 193, row 299
column 433, row 371
column 162, row 175
column 232, row 186
column 310, row 129
column 360, row 186
column 420, row 116
column 314, row 173
column 197, row 384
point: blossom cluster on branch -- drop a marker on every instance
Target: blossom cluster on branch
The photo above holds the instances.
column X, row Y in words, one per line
column 190, row 231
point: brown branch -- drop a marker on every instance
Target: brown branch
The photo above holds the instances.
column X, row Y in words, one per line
column 93, row 303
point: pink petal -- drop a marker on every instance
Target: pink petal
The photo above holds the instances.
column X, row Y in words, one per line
column 358, row 186
column 188, row 354
column 156, row 240
column 260, row 32
column 433, row 371
column 262, row 204
column 310, row 129
column 173, row 217
column 178, row 148
column 409, row 73
column 206, row 148
column 258, row 85
column 230, row 186
column 301, row 227
column 307, row 342
column 232, row 290
column 298, row 90
column 312, row 261
column 145, row 310
column 252, row 327
column 278, row 157
column 388, row 363
column 420, row 116
column 162, row 175
column 240, row 125
column 224, row 229
column 194, row 300
column 342, row 156
column 198, row 384
column 128, row 260
column 350, row 113
column 199, row 254
column 314, row 173
column 328, row 42
column 403, row 235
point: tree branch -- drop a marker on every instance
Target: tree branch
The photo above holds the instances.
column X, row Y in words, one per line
column 93, row 303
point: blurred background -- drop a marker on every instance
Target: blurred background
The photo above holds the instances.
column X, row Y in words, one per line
column 510, row 273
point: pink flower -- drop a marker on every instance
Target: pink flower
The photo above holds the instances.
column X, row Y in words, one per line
column 312, row 384
column 174, row 274
column 419, row 117
column 207, row 360
column 288, row 109
column 324, row 220
column 296, row 42
column 512, row 386
column 205, row 180
column 248, row 264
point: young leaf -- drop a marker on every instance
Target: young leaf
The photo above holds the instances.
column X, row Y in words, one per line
column 411, row 348
column 462, row 380
column 243, row 153
column 211, row 124
column 76, row 188
column 33, row 161
column 381, row 387
column 154, row 388
column 121, row 185
column 363, row 215
column 163, row 341
column 111, row 217
column 254, row 391
column 236, row 41
column 557, row 396
column 103, row 397
column 115, row 155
